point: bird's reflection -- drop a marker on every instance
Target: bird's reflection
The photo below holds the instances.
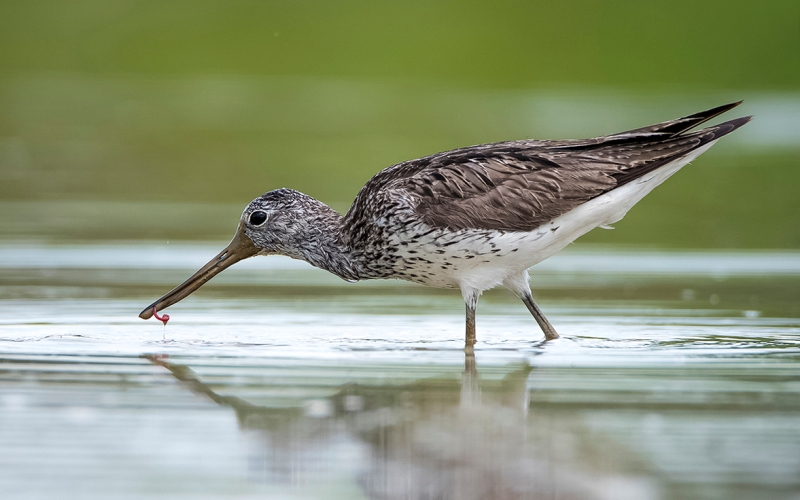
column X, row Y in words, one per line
column 434, row 438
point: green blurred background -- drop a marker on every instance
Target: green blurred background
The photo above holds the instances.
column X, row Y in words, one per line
column 124, row 119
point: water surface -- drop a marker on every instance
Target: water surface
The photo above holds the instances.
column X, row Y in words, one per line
column 677, row 376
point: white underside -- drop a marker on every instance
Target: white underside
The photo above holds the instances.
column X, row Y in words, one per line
column 479, row 260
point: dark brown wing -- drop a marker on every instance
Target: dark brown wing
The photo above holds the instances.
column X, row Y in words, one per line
column 520, row 185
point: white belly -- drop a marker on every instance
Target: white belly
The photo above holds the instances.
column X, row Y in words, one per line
column 484, row 259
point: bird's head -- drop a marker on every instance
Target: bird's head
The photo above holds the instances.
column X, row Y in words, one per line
column 278, row 222
column 274, row 223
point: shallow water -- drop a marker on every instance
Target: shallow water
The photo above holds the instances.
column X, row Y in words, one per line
column 678, row 376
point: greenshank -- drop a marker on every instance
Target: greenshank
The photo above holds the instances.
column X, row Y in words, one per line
column 472, row 218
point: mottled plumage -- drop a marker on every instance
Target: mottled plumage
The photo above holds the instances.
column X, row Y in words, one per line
column 472, row 218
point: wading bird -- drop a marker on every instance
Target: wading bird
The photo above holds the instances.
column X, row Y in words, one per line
column 471, row 218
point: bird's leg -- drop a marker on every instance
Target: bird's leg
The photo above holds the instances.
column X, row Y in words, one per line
column 471, row 300
column 470, row 337
column 519, row 285
column 549, row 332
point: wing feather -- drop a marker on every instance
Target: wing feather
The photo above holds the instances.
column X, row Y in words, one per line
column 520, row 185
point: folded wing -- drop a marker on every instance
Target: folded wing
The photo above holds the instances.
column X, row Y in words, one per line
column 520, row 185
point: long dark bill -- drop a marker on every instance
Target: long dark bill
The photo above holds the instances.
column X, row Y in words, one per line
column 240, row 247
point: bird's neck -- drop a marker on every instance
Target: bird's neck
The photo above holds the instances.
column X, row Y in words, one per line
column 319, row 241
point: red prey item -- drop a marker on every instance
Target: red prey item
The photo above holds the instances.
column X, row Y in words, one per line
column 163, row 318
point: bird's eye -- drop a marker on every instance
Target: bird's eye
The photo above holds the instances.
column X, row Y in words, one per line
column 258, row 217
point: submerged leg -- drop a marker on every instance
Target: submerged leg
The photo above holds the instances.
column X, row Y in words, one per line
column 470, row 389
column 471, row 300
column 519, row 285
